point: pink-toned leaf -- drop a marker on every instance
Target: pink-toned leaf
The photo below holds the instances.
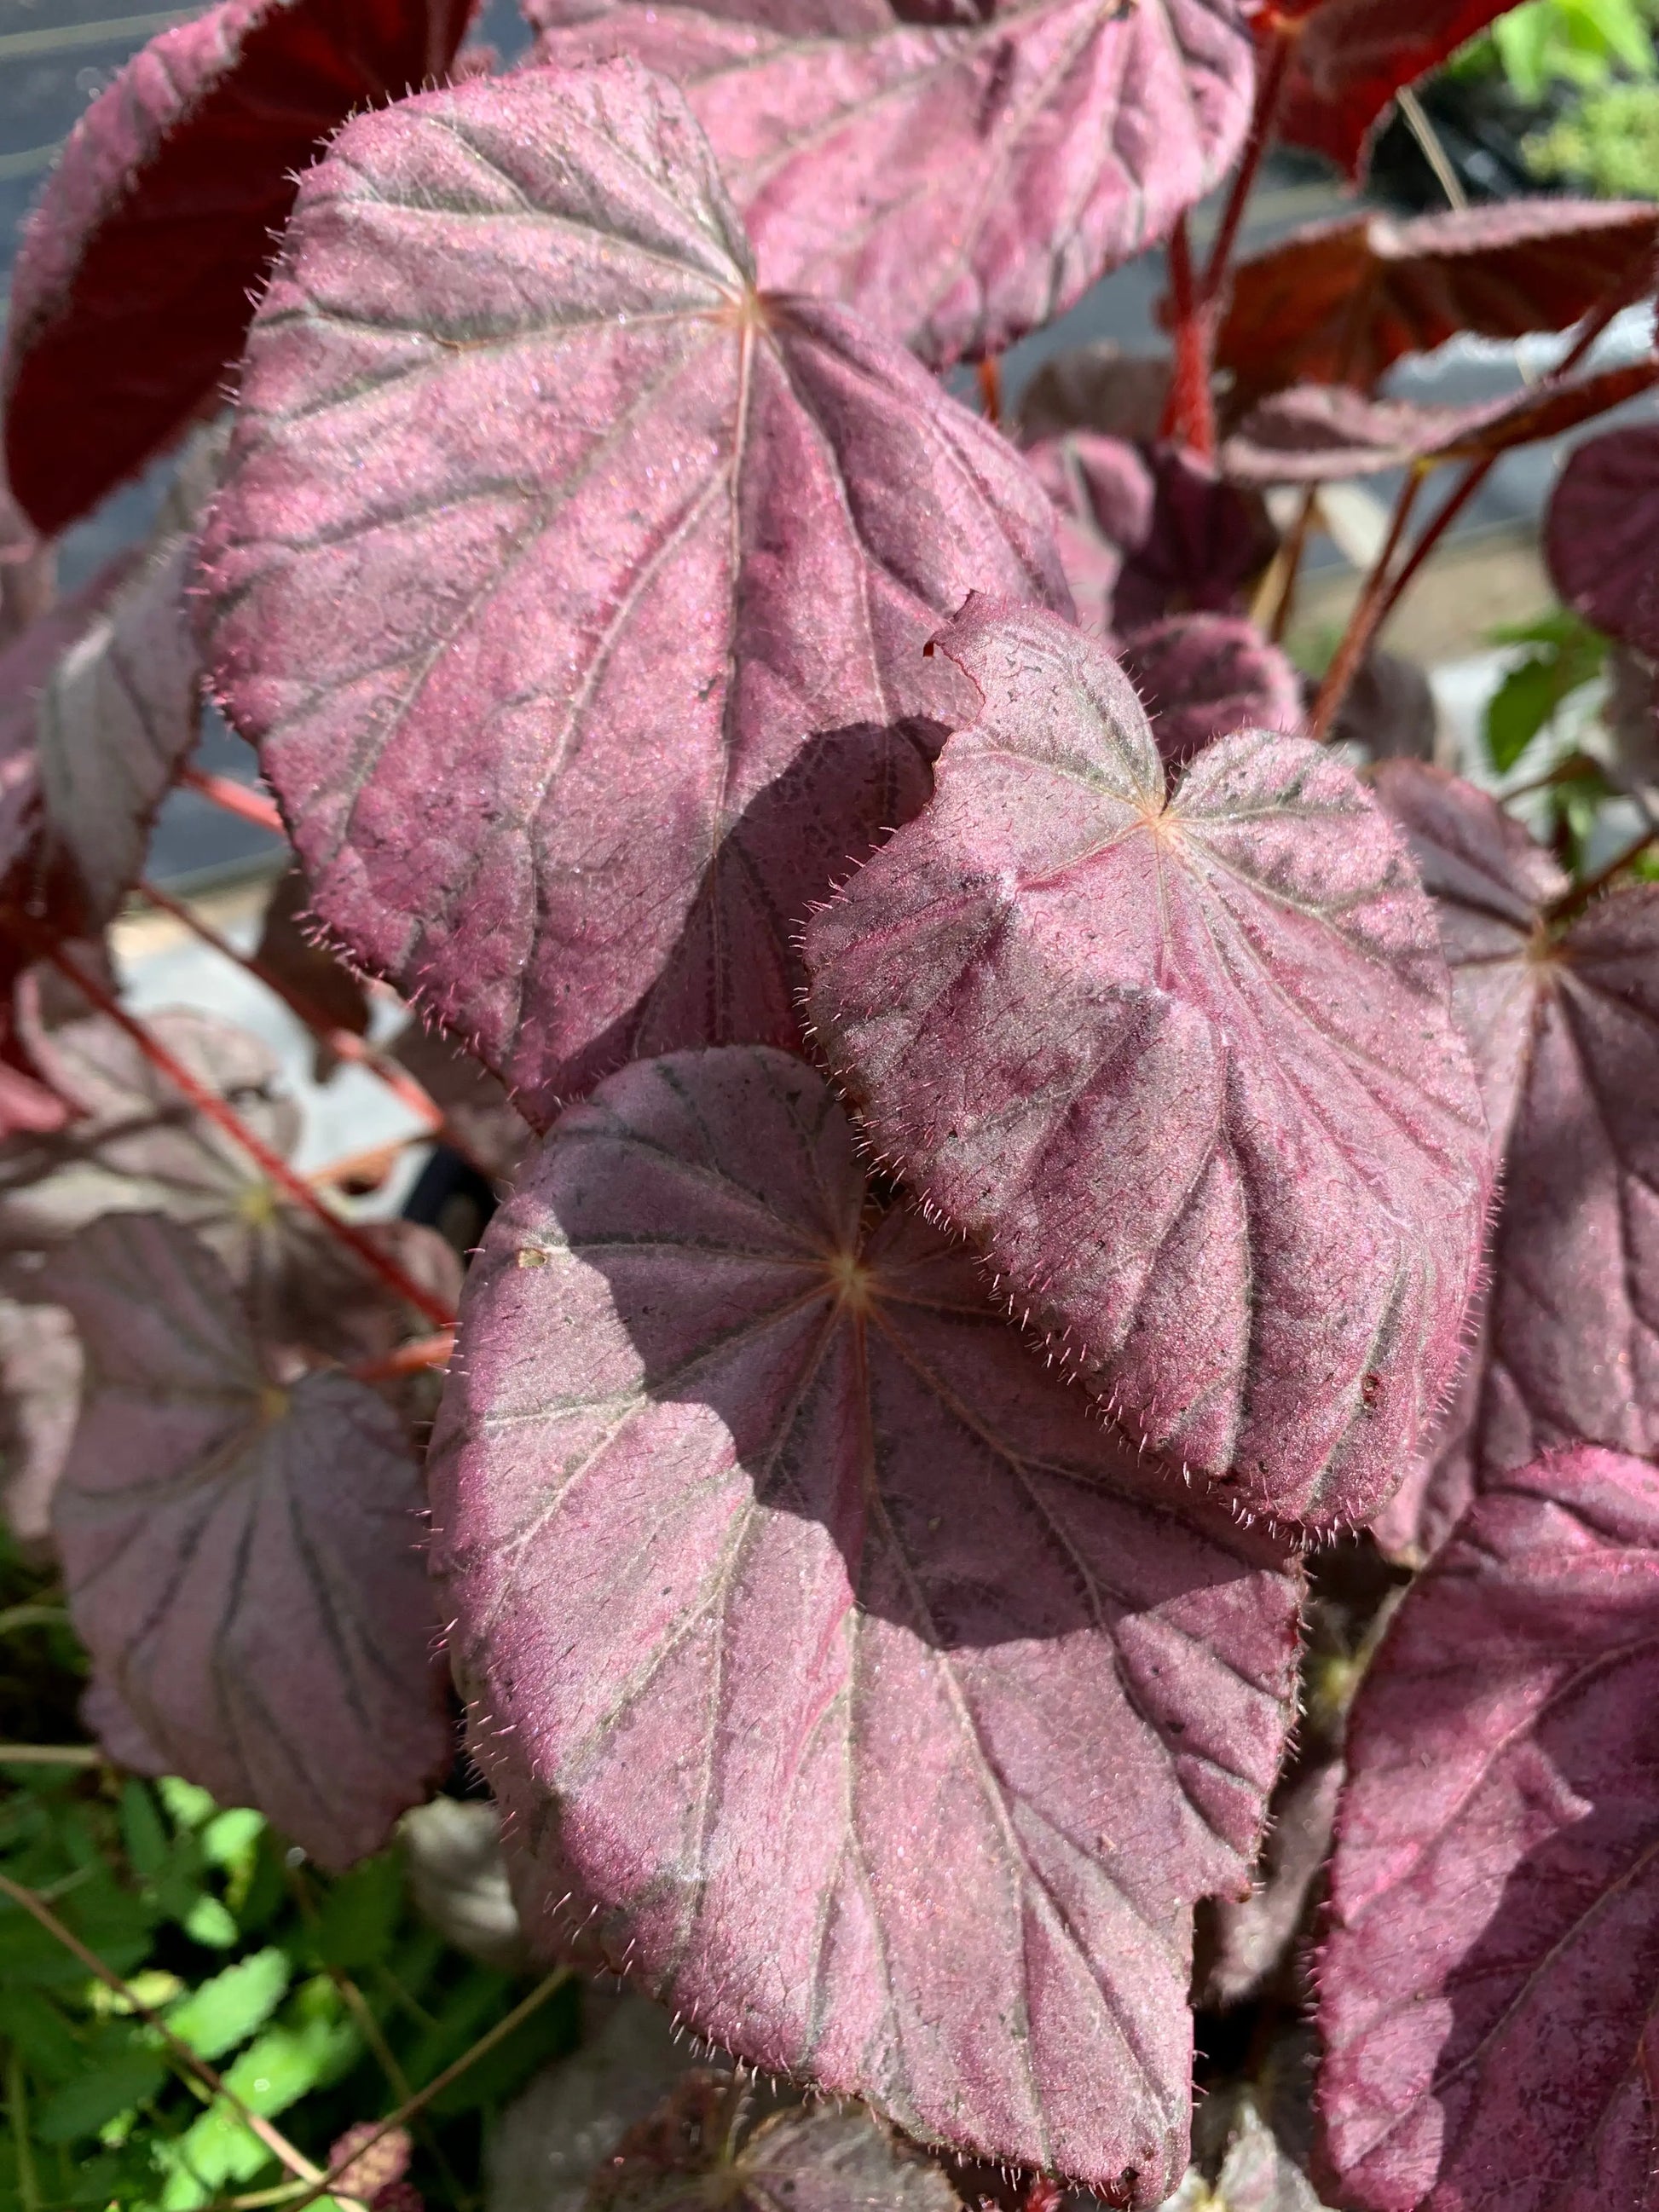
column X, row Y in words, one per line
column 1602, row 534
column 292, row 954
column 1317, row 432
column 242, row 1555
column 1340, row 301
column 1146, row 531
column 1563, row 1021
column 1201, row 676
column 1096, row 387
column 134, row 282
column 1182, row 1063
column 1486, row 1992
column 958, row 177
column 842, row 1673
column 572, row 725
column 1351, row 57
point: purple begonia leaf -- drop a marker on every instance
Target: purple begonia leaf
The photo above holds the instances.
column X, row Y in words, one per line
column 40, row 1400
column 475, row 1105
column 844, row 1676
column 303, row 964
column 1317, row 432
column 1096, row 387
column 1563, row 1022
column 958, row 177
column 1181, row 1064
column 242, row 1555
column 694, row 2151
column 106, row 1714
column 1146, row 531
column 1486, row 1990
column 1602, row 534
column 1201, row 676
column 135, row 276
column 1389, row 710
column 1352, row 56
column 572, row 722
column 1340, row 301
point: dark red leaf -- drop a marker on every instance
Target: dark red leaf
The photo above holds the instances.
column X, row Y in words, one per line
column 1353, row 57
column 475, row 1105
column 1602, row 534
column 1201, row 676
column 1487, row 1992
column 1096, row 387
column 1183, row 1064
column 1340, row 301
column 957, row 177
column 576, row 599
column 326, row 986
column 134, row 283
column 1316, row 432
column 840, row 1671
column 243, row 1555
column 1146, row 531
column 1563, row 1022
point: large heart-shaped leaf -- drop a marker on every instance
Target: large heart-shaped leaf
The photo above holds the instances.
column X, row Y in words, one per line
column 1183, row 1063
column 959, row 175
column 1489, row 1992
column 576, row 597
column 1351, row 57
column 134, row 280
column 243, row 1555
column 1563, row 1021
column 1602, row 534
column 1340, row 301
column 844, row 1676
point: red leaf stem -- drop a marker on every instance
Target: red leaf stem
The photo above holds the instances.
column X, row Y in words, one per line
column 408, row 1359
column 234, row 798
column 269, row 1163
column 1369, row 609
column 1190, row 414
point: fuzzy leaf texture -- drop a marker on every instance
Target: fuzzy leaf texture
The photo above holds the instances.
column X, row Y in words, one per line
column 841, row 1673
column 1201, row 676
column 1340, row 301
column 1487, row 1990
column 1602, row 534
column 1351, row 57
column 959, row 175
column 574, row 593
column 1181, row 1062
column 134, row 282
column 243, row 1555
column 1563, row 1021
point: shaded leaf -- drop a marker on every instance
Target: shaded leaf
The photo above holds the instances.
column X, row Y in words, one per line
column 1096, row 387
column 1389, row 710
column 1486, row 1989
column 1183, row 1064
column 1149, row 531
column 126, row 2077
column 309, row 968
column 1562, row 1019
column 1253, row 1935
column 1602, row 534
column 655, row 675
column 474, row 1102
column 457, row 1880
column 695, row 2151
column 243, row 1559
column 960, row 175
column 1351, row 57
column 1339, row 302
column 893, row 1712
column 28, row 571
column 40, row 1400
column 135, row 279
column 1201, row 676
column 1316, row 432
column 1631, row 712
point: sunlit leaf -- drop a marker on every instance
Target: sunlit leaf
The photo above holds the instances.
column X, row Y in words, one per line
column 1351, row 57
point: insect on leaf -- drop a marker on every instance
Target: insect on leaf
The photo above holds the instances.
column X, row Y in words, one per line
column 573, row 591
column 1181, row 1062
column 839, row 1672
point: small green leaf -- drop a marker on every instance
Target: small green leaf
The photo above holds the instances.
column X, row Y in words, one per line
column 188, row 1806
column 227, row 2010
column 147, row 1846
column 81, row 2107
column 208, row 1921
column 360, row 1914
column 228, row 1837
